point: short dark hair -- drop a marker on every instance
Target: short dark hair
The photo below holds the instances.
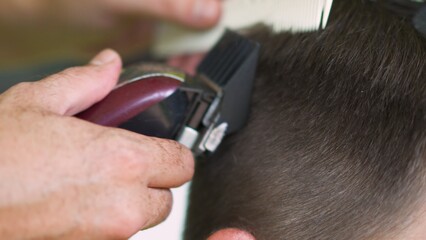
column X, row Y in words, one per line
column 335, row 145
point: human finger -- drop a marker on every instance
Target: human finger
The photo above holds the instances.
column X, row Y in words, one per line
column 171, row 164
column 75, row 89
column 167, row 163
column 158, row 208
column 194, row 13
column 162, row 163
column 188, row 63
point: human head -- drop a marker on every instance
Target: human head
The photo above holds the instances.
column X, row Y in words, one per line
column 335, row 146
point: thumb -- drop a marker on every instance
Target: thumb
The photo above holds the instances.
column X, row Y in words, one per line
column 75, row 89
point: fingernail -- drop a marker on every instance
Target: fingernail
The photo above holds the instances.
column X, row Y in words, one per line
column 104, row 57
column 205, row 9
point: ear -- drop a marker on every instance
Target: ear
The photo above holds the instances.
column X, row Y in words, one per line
column 231, row 234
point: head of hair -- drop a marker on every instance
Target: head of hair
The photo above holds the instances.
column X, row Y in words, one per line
column 335, row 145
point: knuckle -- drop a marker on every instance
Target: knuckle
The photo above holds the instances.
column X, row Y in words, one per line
column 123, row 216
column 65, row 75
column 22, row 87
column 132, row 161
column 19, row 94
column 155, row 208
column 121, row 226
column 74, row 72
column 164, row 201
column 125, row 153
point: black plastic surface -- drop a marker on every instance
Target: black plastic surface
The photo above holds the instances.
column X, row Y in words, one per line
column 232, row 65
column 163, row 120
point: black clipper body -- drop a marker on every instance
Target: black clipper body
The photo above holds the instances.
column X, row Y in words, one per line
column 197, row 111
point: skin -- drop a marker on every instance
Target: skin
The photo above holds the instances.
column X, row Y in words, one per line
column 192, row 13
column 231, row 234
column 188, row 63
column 415, row 228
column 64, row 178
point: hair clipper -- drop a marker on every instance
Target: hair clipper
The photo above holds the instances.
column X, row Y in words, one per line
column 197, row 111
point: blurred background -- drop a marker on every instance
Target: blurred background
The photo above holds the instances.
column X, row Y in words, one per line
column 30, row 50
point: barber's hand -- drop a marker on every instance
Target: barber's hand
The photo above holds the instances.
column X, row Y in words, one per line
column 64, row 178
column 195, row 13
column 192, row 13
